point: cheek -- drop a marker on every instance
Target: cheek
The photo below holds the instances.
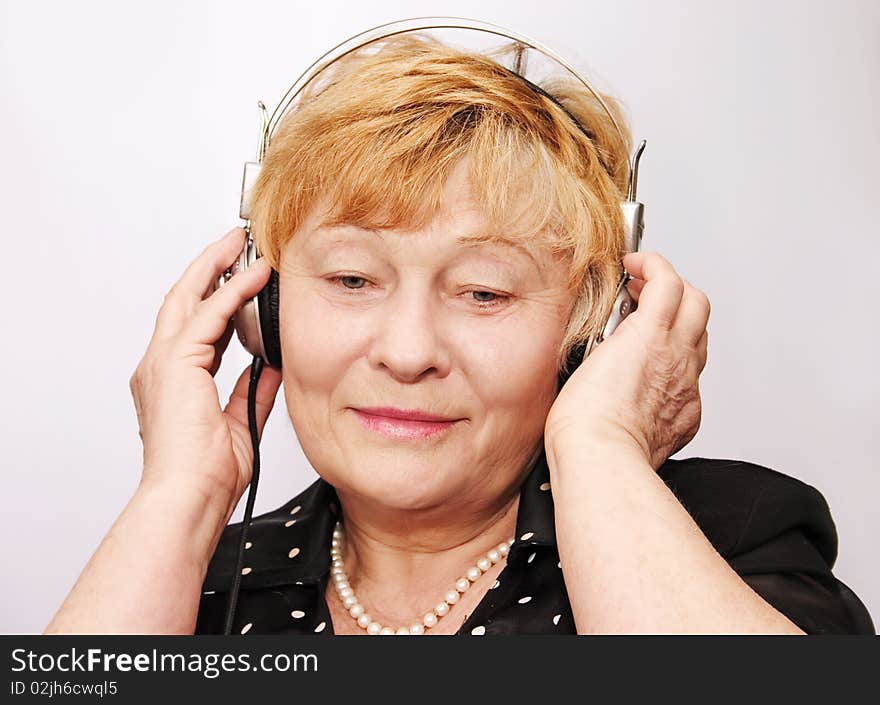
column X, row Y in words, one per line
column 516, row 369
column 313, row 349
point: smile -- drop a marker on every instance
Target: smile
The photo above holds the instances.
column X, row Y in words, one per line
column 406, row 429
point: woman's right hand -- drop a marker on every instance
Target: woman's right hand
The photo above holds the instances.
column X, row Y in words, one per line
column 190, row 443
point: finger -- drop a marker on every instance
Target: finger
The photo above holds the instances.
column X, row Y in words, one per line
column 267, row 390
column 634, row 287
column 661, row 295
column 220, row 347
column 203, row 271
column 693, row 313
column 211, row 319
column 197, row 280
column 703, row 349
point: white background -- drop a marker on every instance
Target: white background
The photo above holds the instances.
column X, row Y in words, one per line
column 123, row 132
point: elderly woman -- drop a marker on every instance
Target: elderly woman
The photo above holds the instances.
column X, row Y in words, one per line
column 444, row 235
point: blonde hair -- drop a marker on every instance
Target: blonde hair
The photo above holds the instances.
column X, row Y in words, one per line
column 379, row 131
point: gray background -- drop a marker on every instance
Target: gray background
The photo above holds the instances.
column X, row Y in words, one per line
column 123, row 131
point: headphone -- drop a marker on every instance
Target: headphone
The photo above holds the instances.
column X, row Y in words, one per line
column 256, row 321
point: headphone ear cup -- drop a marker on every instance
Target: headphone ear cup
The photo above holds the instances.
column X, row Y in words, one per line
column 267, row 300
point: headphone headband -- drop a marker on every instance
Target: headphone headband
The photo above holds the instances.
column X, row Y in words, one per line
column 270, row 123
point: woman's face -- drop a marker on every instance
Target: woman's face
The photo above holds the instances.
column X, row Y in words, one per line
column 420, row 320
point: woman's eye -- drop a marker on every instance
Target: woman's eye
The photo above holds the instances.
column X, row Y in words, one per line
column 492, row 300
column 349, row 281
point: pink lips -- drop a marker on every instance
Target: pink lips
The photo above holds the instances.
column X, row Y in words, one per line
column 403, row 423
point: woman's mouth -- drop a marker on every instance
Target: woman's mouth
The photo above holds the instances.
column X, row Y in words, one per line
column 402, row 428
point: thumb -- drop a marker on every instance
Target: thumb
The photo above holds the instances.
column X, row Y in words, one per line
column 267, row 390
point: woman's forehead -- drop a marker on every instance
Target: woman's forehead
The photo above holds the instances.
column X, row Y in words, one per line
column 459, row 208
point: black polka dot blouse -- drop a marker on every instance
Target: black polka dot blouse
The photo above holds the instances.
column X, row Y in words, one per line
column 775, row 531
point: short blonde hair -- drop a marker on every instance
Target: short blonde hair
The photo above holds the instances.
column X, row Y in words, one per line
column 380, row 130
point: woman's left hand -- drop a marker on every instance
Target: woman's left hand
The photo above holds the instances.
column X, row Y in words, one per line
column 640, row 387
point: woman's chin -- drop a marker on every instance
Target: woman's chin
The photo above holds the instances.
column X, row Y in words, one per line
column 404, row 492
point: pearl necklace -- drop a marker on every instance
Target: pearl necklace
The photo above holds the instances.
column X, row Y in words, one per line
column 430, row 619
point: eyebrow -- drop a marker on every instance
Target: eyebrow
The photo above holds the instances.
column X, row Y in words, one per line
column 473, row 241
column 477, row 241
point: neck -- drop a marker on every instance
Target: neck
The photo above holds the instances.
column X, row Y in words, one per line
column 400, row 563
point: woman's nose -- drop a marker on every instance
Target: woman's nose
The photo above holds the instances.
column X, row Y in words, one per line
column 407, row 340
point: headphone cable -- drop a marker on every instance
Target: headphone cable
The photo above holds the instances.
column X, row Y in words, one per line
column 256, row 369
